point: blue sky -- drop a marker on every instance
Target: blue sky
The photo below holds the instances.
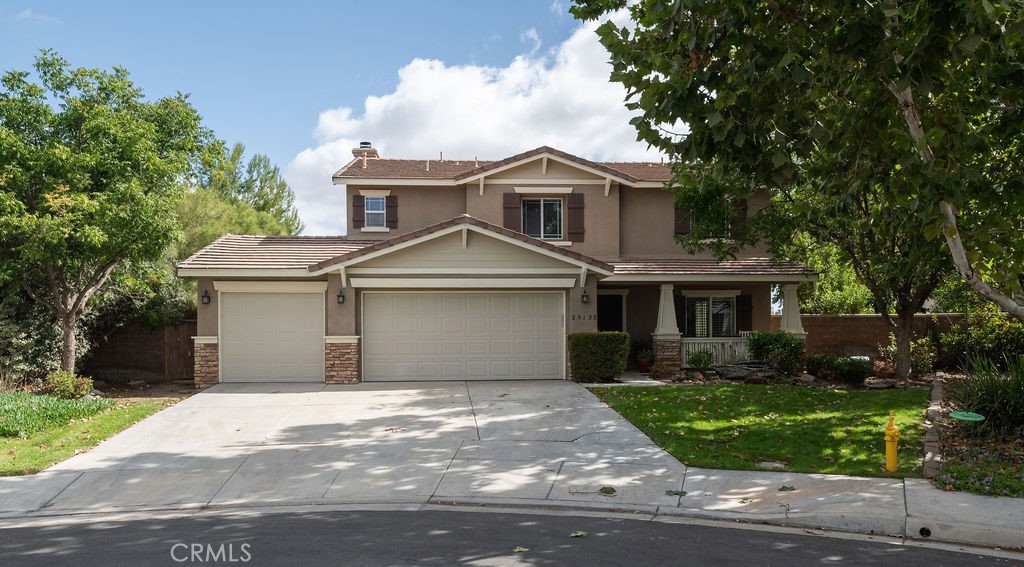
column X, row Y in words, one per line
column 303, row 82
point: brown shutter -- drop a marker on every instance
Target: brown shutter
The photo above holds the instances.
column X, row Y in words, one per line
column 682, row 223
column 575, row 219
column 358, row 216
column 391, row 211
column 744, row 313
column 513, row 217
column 739, row 216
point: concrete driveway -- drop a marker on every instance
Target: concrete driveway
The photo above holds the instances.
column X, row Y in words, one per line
column 257, row 444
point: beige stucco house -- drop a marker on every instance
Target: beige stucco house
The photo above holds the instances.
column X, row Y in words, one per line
column 467, row 269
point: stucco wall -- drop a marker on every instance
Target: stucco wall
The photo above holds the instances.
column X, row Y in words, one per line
column 418, row 207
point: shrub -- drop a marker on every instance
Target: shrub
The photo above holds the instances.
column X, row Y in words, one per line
column 992, row 392
column 598, row 356
column 842, row 368
column 922, row 355
column 67, row 385
column 660, row 371
column 996, row 338
column 782, row 351
column 700, row 359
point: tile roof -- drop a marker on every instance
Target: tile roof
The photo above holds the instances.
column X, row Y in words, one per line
column 233, row 251
column 461, row 219
column 693, row 266
column 461, row 169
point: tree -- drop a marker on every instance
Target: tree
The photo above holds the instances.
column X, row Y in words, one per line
column 89, row 174
column 837, row 291
column 258, row 183
column 204, row 215
column 810, row 103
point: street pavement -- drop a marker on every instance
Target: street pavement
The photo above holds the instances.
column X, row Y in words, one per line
column 532, row 445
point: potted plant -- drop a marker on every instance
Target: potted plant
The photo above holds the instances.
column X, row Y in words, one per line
column 644, row 359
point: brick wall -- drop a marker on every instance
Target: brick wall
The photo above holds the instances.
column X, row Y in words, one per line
column 668, row 352
column 207, row 370
column 853, row 335
column 341, row 363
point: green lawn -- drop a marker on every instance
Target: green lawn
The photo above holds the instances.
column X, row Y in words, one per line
column 39, row 431
column 811, row 430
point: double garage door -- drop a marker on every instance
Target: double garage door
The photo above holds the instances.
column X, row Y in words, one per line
column 279, row 337
column 463, row 336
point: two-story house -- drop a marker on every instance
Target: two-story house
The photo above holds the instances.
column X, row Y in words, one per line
column 471, row 269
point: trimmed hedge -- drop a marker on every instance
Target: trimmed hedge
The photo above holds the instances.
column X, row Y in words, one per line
column 700, row 359
column 842, row 368
column 782, row 351
column 595, row 357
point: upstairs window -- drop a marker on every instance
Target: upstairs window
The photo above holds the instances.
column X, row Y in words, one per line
column 542, row 218
column 374, row 216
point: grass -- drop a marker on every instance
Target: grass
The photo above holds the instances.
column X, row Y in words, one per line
column 810, row 430
column 981, row 462
column 49, row 432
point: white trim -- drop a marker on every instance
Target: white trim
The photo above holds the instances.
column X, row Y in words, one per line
column 543, row 155
column 206, row 340
column 459, row 283
column 544, row 181
column 709, row 292
column 242, row 272
column 270, row 287
column 607, row 186
column 562, row 243
column 375, row 192
column 456, row 228
column 374, row 229
column 459, row 271
column 709, row 277
column 341, row 339
column 543, row 190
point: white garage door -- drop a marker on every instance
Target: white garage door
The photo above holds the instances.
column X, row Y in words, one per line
column 272, row 337
column 463, row 336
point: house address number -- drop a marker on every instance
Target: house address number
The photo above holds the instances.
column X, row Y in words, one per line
column 584, row 317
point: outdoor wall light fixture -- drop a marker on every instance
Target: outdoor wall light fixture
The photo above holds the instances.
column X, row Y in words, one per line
column 341, row 296
column 206, row 297
column 585, row 298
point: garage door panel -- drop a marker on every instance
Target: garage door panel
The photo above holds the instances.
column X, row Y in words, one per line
column 459, row 336
column 272, row 337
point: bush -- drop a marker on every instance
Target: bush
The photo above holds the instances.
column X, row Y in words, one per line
column 67, row 385
column 661, row 371
column 782, row 351
column 842, row 368
column 922, row 355
column 992, row 392
column 700, row 359
column 598, row 356
column 996, row 338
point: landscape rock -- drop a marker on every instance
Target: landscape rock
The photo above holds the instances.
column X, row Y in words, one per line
column 806, row 379
column 137, row 384
column 880, row 383
column 755, row 379
column 742, row 371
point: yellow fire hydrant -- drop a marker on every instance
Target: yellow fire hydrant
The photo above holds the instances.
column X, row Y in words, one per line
column 892, row 439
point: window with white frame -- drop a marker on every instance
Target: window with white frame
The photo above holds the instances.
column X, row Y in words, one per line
column 373, row 212
column 542, row 218
column 711, row 317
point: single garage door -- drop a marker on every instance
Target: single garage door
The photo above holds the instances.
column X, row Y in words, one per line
column 272, row 337
column 463, row 336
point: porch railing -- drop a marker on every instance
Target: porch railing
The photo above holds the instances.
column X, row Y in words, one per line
column 725, row 350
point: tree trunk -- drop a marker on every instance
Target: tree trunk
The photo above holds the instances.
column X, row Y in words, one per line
column 67, row 354
column 902, row 356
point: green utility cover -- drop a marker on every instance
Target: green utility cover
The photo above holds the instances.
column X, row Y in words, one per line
column 966, row 416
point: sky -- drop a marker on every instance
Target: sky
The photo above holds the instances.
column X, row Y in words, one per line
column 304, row 82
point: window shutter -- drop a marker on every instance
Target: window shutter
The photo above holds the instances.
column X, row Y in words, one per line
column 391, row 211
column 575, row 219
column 682, row 223
column 744, row 313
column 739, row 216
column 513, row 217
column 358, row 214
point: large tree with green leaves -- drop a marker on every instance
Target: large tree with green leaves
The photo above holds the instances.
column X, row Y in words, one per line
column 89, row 175
column 866, row 122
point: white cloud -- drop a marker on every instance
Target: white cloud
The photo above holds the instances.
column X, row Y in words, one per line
column 560, row 98
column 533, row 38
column 28, row 15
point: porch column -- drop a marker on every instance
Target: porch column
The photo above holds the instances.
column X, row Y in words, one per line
column 666, row 334
column 791, row 311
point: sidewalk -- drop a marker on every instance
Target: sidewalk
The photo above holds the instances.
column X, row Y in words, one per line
column 549, row 446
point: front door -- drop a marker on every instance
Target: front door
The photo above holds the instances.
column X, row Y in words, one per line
column 609, row 313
